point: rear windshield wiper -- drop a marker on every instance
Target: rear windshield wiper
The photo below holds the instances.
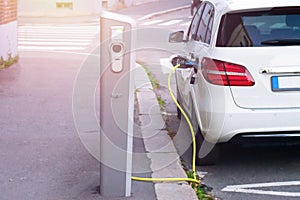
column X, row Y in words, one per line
column 281, row 42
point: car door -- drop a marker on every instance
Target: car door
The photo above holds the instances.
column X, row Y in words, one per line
column 201, row 97
column 197, row 47
column 183, row 75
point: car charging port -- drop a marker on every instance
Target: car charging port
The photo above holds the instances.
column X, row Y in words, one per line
column 179, row 60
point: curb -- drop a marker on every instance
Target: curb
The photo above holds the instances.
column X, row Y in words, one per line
column 162, row 12
column 165, row 161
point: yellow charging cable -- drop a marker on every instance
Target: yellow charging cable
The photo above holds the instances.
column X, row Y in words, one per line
column 194, row 179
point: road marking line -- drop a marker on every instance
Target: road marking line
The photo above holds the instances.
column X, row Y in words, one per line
column 50, row 48
column 56, row 37
column 54, row 43
column 152, row 22
column 246, row 188
column 43, row 32
column 35, row 36
column 185, row 24
column 264, row 192
column 61, row 27
column 171, row 22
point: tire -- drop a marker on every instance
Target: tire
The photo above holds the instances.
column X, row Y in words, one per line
column 211, row 151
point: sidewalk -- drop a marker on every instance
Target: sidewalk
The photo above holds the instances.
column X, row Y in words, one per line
column 165, row 161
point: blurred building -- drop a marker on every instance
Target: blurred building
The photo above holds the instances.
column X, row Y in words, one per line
column 111, row 4
column 71, row 7
column 58, row 7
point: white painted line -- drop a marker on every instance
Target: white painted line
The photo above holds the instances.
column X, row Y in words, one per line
column 66, row 52
column 54, row 39
column 269, row 184
column 30, row 36
column 58, row 34
column 64, row 25
column 185, row 24
column 265, row 192
column 171, row 22
column 58, row 27
column 52, row 48
column 152, row 22
column 59, row 31
column 54, row 43
column 246, row 188
column 163, row 12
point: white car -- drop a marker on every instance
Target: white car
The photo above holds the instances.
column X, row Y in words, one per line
column 240, row 71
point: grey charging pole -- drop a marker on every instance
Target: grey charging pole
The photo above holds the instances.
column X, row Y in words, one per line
column 116, row 104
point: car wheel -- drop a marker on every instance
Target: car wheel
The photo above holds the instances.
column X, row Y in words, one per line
column 207, row 153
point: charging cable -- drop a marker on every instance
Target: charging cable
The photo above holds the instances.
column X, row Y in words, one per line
column 194, row 179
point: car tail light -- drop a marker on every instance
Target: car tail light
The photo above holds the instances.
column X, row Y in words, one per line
column 224, row 73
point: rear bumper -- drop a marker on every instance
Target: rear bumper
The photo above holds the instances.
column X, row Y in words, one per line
column 260, row 123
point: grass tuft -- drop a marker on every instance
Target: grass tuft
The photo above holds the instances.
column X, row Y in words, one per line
column 9, row 62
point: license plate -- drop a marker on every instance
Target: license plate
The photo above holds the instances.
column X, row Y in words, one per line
column 285, row 83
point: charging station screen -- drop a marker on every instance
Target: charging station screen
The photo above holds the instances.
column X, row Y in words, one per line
column 117, row 32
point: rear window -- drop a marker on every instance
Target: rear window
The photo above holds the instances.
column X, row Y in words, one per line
column 277, row 26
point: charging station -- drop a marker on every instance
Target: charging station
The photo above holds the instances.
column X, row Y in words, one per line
column 116, row 103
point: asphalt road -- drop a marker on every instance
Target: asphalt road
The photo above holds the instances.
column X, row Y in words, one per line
column 41, row 154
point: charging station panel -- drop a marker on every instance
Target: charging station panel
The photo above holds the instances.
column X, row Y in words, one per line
column 117, row 48
column 116, row 103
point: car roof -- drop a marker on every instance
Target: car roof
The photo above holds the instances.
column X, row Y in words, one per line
column 225, row 6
